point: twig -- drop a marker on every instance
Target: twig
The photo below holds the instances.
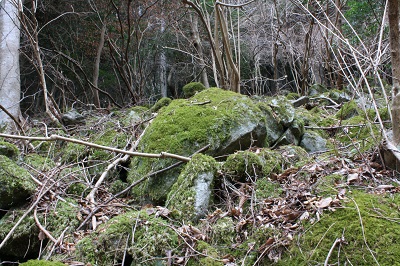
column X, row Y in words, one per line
column 97, row 146
column 363, row 231
column 337, row 241
column 13, row 118
column 47, row 233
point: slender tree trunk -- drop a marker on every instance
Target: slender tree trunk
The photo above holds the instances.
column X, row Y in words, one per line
column 9, row 59
column 163, row 65
column 199, row 48
column 393, row 7
column 96, row 67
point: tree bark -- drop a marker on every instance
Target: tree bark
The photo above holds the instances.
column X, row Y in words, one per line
column 197, row 45
column 163, row 65
column 96, row 67
column 9, row 60
column 393, row 14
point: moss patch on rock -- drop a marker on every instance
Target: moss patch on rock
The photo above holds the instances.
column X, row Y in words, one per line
column 369, row 228
column 8, row 149
column 16, row 184
column 160, row 103
column 225, row 120
column 192, row 88
column 144, row 237
column 192, row 192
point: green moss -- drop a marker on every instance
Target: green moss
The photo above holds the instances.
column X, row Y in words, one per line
column 183, row 195
column 266, row 188
column 362, row 134
column 9, row 150
column 326, row 186
column 42, row 263
column 210, row 255
column 292, row 96
column 191, row 88
column 160, row 103
column 62, row 216
column 183, row 127
column 143, row 236
column 243, row 164
column 77, row 189
column 24, row 241
column 39, row 162
column 378, row 215
column 294, row 156
column 348, row 110
column 16, row 184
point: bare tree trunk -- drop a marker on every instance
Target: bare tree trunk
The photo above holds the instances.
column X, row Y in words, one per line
column 393, row 7
column 9, row 59
column 163, row 65
column 338, row 24
column 96, row 67
column 199, row 48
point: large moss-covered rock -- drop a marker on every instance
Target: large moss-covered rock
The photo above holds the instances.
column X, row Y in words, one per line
column 225, row 120
column 191, row 193
column 144, row 236
column 16, row 185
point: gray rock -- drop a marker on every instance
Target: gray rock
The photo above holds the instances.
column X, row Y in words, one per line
column 313, row 142
column 283, row 110
column 191, row 193
column 300, row 101
column 72, row 117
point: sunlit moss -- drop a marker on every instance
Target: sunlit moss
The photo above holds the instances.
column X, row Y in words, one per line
column 370, row 229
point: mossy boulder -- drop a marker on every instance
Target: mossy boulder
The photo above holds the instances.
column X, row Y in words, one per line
column 365, row 227
column 16, row 184
column 9, row 150
column 144, row 236
column 192, row 88
column 361, row 135
column 225, row 120
column 192, row 192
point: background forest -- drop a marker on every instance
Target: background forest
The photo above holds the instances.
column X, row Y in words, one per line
column 123, row 53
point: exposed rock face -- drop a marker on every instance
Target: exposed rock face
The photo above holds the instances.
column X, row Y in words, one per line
column 191, row 193
column 16, row 185
column 224, row 120
column 313, row 142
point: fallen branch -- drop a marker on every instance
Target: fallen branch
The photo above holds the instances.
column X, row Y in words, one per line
column 97, row 146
